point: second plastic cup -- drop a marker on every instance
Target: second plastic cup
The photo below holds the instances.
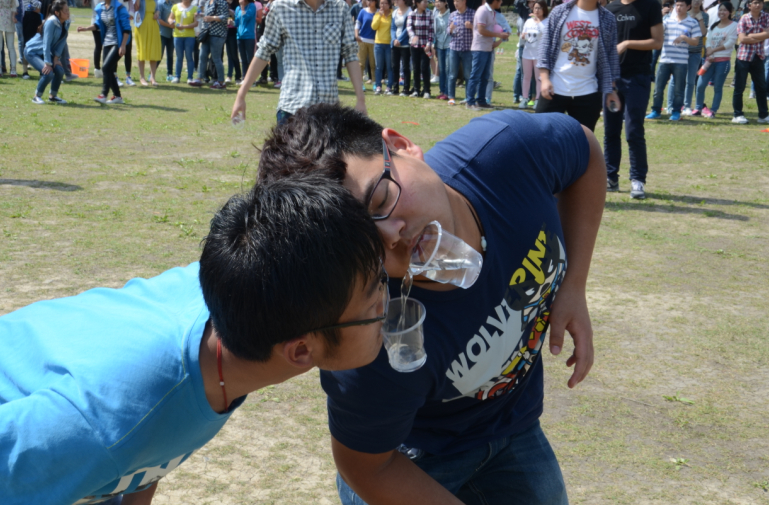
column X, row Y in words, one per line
column 404, row 340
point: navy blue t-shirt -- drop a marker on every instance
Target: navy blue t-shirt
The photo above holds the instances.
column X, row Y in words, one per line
column 483, row 376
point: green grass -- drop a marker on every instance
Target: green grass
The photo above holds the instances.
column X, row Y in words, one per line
column 93, row 195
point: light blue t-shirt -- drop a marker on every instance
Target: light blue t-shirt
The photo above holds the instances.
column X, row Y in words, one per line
column 101, row 393
column 164, row 12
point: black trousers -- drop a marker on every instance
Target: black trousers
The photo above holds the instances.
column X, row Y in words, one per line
column 421, row 64
column 110, row 59
column 232, row 55
column 586, row 109
column 97, row 48
column 129, row 45
column 756, row 69
column 401, row 55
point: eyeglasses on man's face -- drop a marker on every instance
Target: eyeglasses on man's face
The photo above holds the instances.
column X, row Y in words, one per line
column 383, row 197
column 384, row 292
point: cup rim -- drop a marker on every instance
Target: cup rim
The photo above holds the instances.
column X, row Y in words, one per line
column 410, row 328
column 435, row 251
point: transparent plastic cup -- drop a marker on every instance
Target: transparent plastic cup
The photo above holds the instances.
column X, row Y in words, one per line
column 444, row 258
column 239, row 121
column 403, row 337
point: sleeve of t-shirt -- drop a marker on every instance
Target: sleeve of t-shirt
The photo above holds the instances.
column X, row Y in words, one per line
column 49, row 452
column 696, row 32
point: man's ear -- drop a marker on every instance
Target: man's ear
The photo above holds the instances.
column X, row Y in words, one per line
column 299, row 351
column 401, row 144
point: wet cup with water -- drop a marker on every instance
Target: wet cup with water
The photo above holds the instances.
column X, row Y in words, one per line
column 403, row 335
column 444, row 258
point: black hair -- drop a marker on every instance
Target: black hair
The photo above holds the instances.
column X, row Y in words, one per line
column 57, row 6
column 729, row 7
column 283, row 260
column 687, row 2
column 318, row 138
column 543, row 4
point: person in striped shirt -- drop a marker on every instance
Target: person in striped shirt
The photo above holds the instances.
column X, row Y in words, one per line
column 681, row 31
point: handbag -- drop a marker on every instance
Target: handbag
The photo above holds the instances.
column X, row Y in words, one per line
column 203, row 36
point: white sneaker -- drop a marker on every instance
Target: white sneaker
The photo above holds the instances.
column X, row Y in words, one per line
column 378, row 91
column 523, row 105
column 637, row 190
column 686, row 112
column 71, row 77
column 119, row 82
column 116, row 99
column 98, row 73
column 426, row 96
column 38, row 101
column 752, row 95
column 227, row 80
column 415, row 94
column 434, row 79
column 764, row 120
column 175, row 80
column 100, row 99
column 740, row 120
column 129, row 81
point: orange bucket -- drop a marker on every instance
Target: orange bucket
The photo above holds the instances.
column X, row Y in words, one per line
column 80, row 67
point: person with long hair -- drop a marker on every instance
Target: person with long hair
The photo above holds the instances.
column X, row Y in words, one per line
column 532, row 30
column 114, row 25
column 366, row 36
column 44, row 51
column 147, row 36
column 381, row 25
column 421, row 38
column 722, row 36
column 183, row 18
column 401, row 53
column 246, row 15
column 214, row 34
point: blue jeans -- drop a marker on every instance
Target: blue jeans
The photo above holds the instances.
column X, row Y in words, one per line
column 184, row 46
column 20, row 40
column 246, row 47
column 664, row 71
column 383, row 58
column 633, row 94
column 214, row 47
column 518, row 469
column 717, row 73
column 479, row 78
column 53, row 78
column 283, row 117
column 443, row 70
column 466, row 57
column 490, row 77
column 691, row 77
column 167, row 46
column 518, row 81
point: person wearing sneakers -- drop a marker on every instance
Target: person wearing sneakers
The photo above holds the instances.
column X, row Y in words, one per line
column 166, row 36
column 442, row 39
column 214, row 34
column 401, row 53
column 482, row 47
column 421, row 39
column 532, row 30
column 461, row 33
column 114, row 25
column 184, row 20
column 45, row 49
column 639, row 32
column 752, row 30
column 694, row 63
column 381, row 24
column 7, row 31
column 722, row 35
column 681, row 31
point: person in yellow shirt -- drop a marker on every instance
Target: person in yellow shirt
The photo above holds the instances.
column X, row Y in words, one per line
column 183, row 18
column 382, row 51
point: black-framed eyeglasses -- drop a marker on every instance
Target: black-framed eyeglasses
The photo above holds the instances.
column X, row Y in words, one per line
column 384, row 292
column 384, row 195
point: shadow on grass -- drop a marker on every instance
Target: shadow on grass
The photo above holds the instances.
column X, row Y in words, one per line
column 58, row 186
column 698, row 199
column 669, row 209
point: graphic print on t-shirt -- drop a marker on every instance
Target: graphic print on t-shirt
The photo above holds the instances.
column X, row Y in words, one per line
column 503, row 350
column 579, row 40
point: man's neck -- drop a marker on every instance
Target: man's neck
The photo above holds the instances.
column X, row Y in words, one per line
column 587, row 5
column 756, row 16
column 681, row 18
column 314, row 4
column 462, row 11
column 627, row 2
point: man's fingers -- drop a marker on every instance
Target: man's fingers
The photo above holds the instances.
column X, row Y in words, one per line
column 556, row 339
column 582, row 359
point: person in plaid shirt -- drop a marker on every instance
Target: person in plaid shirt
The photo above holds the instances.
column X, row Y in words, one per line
column 753, row 30
column 421, row 37
column 313, row 34
column 461, row 32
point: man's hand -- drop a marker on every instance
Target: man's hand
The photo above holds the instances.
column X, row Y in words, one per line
column 546, row 88
column 468, row 25
column 612, row 97
column 622, row 47
column 239, row 107
column 397, row 43
column 570, row 314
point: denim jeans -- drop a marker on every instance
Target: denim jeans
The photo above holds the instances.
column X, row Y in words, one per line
column 53, row 78
column 466, row 57
column 283, row 117
column 167, row 46
column 717, row 73
column 664, row 71
column 633, row 94
column 756, row 69
column 214, row 47
column 246, row 47
column 479, row 78
column 518, row 80
column 185, row 46
column 518, row 469
column 443, row 70
column 383, row 57
column 490, row 77
column 20, row 39
column 692, row 67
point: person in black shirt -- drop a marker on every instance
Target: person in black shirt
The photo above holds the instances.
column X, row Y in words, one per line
column 31, row 24
column 639, row 31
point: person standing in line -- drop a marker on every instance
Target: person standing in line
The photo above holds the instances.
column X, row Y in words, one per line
column 482, row 46
column 214, row 33
column 578, row 61
column 44, row 51
column 421, row 37
column 523, row 8
column 681, row 31
column 639, row 28
column 166, row 36
column 366, row 36
column 113, row 22
column 695, row 59
column 183, row 17
column 128, row 60
column 231, row 45
column 381, row 25
column 147, row 36
column 32, row 24
column 246, row 15
column 442, row 40
column 7, row 30
column 752, row 30
column 401, row 53
column 461, row 32
column 532, row 30
column 722, row 36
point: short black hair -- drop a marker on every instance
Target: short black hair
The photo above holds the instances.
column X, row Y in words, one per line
column 318, row 138
column 687, row 2
column 283, row 260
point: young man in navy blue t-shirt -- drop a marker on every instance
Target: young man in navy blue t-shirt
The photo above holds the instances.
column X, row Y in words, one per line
column 465, row 426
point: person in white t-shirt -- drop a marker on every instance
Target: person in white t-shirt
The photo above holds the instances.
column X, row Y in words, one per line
column 532, row 31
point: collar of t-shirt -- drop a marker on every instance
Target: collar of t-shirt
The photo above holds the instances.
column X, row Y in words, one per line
column 488, row 7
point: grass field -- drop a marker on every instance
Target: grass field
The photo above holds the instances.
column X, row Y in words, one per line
column 675, row 409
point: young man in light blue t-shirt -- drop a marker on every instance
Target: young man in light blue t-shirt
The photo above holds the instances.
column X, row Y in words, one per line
column 681, row 31
column 104, row 393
